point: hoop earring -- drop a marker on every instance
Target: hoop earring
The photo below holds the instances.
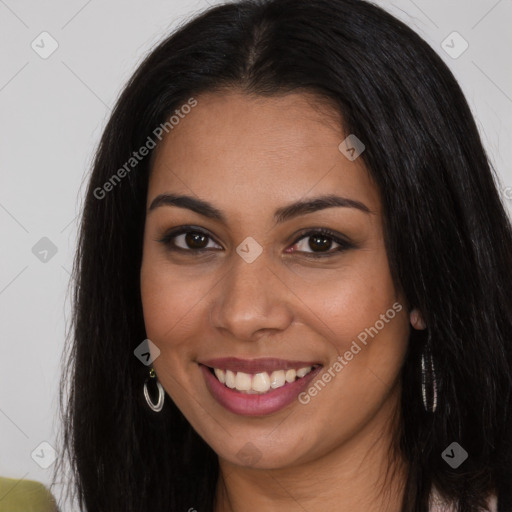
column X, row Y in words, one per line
column 161, row 393
column 428, row 380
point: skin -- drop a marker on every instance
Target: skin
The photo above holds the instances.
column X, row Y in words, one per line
column 249, row 156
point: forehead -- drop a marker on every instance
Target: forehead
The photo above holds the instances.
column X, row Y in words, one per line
column 250, row 151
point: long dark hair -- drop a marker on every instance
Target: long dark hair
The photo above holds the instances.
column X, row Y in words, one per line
column 448, row 240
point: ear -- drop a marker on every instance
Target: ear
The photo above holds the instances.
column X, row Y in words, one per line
column 417, row 319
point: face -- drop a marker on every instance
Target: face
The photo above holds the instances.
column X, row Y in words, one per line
column 278, row 341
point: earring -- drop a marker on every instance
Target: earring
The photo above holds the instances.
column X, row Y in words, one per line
column 161, row 393
column 428, row 380
column 428, row 372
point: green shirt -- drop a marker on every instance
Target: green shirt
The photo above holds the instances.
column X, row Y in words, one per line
column 25, row 496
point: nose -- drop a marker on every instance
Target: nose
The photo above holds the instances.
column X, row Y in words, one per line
column 251, row 301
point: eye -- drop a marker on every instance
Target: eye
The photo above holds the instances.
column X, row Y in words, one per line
column 320, row 241
column 187, row 239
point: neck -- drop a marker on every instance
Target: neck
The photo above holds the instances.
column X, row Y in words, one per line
column 357, row 475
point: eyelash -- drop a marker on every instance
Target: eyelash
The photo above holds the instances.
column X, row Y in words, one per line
column 344, row 245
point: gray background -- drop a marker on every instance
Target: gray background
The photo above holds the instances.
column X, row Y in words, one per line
column 52, row 114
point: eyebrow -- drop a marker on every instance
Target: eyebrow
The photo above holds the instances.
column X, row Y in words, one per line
column 281, row 215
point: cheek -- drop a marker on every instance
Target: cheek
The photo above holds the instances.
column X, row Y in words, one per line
column 349, row 298
column 172, row 302
column 170, row 307
column 359, row 314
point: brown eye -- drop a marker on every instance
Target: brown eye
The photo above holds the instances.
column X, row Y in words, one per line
column 186, row 239
column 318, row 243
column 315, row 243
column 195, row 240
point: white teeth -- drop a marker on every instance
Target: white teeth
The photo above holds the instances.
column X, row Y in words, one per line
column 277, row 379
column 290, row 375
column 220, row 375
column 303, row 371
column 260, row 382
column 243, row 381
column 230, row 379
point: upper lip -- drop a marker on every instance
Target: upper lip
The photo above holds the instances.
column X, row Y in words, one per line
column 264, row 364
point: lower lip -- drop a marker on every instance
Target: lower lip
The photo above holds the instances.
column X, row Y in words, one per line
column 256, row 405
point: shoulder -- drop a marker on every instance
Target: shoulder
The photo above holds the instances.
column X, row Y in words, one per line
column 437, row 504
column 25, row 496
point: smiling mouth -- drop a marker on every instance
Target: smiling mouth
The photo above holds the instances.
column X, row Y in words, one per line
column 261, row 382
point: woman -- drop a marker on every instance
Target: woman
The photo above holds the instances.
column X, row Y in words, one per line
column 293, row 277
